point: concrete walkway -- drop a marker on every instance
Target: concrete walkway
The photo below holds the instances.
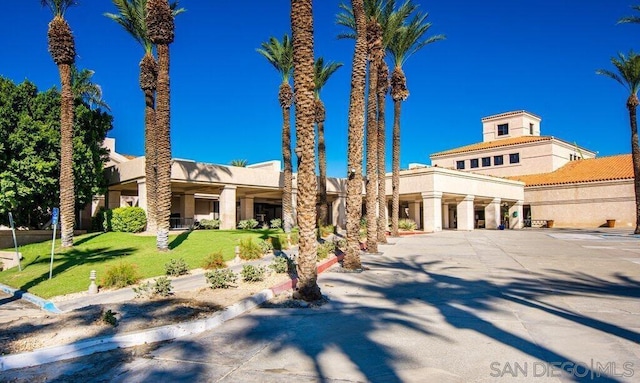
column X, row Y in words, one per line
column 482, row 306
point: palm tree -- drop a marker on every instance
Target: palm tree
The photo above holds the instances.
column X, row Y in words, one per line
column 383, row 89
column 355, row 137
column 63, row 51
column 159, row 20
column 406, row 41
column 280, row 55
column 84, row 89
column 131, row 17
column 239, row 163
column 303, row 75
column 629, row 76
column 631, row 19
column 322, row 74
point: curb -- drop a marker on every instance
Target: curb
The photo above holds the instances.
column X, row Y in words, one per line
column 34, row 299
column 158, row 334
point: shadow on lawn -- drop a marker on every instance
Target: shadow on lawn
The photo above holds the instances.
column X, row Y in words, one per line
column 71, row 258
column 177, row 241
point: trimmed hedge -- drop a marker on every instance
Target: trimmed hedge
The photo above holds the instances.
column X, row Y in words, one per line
column 131, row 219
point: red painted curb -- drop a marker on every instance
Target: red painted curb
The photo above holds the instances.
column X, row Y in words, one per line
column 291, row 284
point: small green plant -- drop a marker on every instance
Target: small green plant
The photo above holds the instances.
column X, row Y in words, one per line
column 407, row 224
column 325, row 249
column 109, row 317
column 210, row 224
column 143, row 290
column 251, row 273
column 214, row 261
column 176, row 267
column 130, row 219
column 280, row 265
column 276, row 223
column 162, row 286
column 341, row 243
column 249, row 249
column 120, row 275
column 247, row 224
column 326, row 230
column 266, row 246
column 221, row 279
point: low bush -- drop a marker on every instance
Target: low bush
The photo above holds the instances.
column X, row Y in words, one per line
column 249, row 249
column 276, row 223
column 109, row 317
column 162, row 286
column 325, row 249
column 221, row 279
column 176, row 267
column 247, row 224
column 279, row 241
column 130, row 219
column 266, row 246
column 252, row 273
column 280, row 264
column 214, row 261
column 209, row 224
column 120, row 275
column 340, row 243
column 407, row 224
column 326, row 230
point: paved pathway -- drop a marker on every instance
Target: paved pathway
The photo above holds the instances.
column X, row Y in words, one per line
column 482, row 306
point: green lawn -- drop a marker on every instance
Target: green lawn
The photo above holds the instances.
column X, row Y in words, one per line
column 97, row 251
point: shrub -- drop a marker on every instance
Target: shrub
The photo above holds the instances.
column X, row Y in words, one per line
column 142, row 291
column 250, row 249
column 325, row 249
column 341, row 243
column 326, row 230
column 214, row 261
column 280, row 264
column 266, row 246
column 109, row 317
column 221, row 279
column 276, row 223
column 247, row 224
column 162, row 286
column 120, row 275
column 176, row 267
column 252, row 273
column 210, row 224
column 279, row 242
column 407, row 224
column 131, row 219
column 294, row 237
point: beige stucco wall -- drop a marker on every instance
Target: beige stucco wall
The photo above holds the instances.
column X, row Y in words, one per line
column 584, row 205
column 518, row 126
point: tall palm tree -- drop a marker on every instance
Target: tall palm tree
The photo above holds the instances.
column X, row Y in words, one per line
column 63, row 51
column 628, row 75
column 84, row 89
column 303, row 75
column 355, row 137
column 406, row 41
column 280, row 55
column 383, row 89
column 159, row 20
column 131, row 17
column 322, row 74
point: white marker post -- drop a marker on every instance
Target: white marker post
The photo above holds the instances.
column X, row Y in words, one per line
column 54, row 222
column 15, row 241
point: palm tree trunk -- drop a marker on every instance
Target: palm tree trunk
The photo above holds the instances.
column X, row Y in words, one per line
column 303, row 80
column 322, row 164
column 163, row 119
column 355, row 139
column 395, row 177
column 287, row 201
column 67, row 193
column 151, row 158
column 383, row 85
column 632, row 105
column 372, row 158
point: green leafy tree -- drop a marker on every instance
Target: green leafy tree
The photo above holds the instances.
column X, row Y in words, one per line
column 322, row 74
column 29, row 146
column 628, row 75
column 407, row 40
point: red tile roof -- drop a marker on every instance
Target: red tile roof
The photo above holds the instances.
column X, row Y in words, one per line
column 611, row 168
column 494, row 144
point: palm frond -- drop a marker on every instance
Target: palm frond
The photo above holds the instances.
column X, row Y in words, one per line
column 58, row 7
column 279, row 54
column 323, row 72
column 409, row 38
column 628, row 71
column 631, row 19
column 83, row 88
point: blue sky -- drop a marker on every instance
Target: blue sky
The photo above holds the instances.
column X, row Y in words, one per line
column 500, row 55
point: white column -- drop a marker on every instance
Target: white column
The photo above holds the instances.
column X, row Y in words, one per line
column 515, row 215
column 466, row 214
column 432, row 211
column 142, row 194
column 492, row 214
column 246, row 208
column 113, row 199
column 228, row 207
column 445, row 216
column 338, row 212
column 414, row 212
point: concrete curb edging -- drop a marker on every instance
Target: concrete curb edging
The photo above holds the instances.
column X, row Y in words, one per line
column 158, row 334
column 36, row 300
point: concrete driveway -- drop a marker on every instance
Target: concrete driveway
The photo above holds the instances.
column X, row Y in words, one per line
column 484, row 306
